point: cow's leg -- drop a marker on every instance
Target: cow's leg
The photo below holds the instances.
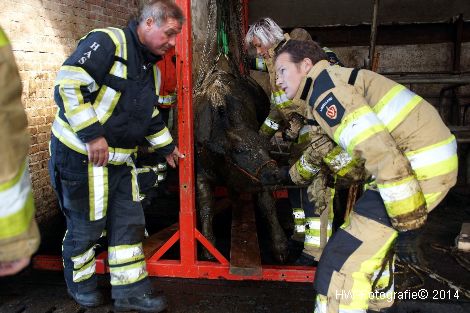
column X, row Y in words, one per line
column 267, row 205
column 205, row 210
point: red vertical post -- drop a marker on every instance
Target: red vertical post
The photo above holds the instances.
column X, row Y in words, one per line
column 187, row 215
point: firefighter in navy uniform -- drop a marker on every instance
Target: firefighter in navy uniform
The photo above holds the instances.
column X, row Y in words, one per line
column 408, row 153
column 313, row 206
column 106, row 94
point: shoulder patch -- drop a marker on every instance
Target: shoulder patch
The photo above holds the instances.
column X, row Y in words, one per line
column 331, row 110
column 321, row 84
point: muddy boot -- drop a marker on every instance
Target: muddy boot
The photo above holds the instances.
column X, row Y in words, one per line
column 306, row 260
column 145, row 303
column 88, row 299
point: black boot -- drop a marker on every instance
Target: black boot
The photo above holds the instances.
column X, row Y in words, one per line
column 145, row 303
column 306, row 260
column 88, row 299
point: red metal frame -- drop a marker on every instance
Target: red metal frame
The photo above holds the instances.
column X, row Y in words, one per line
column 188, row 266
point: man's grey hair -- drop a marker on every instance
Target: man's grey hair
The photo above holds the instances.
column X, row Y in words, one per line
column 160, row 11
column 267, row 31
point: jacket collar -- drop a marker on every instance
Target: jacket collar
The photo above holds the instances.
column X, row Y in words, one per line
column 272, row 51
column 146, row 54
column 306, row 83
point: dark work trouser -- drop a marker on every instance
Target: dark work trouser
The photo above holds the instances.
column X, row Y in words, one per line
column 98, row 200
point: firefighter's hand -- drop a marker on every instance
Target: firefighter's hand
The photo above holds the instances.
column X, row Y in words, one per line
column 407, row 247
column 13, row 267
column 98, row 152
column 172, row 158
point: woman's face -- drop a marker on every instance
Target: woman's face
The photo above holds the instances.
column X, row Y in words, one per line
column 261, row 50
column 289, row 74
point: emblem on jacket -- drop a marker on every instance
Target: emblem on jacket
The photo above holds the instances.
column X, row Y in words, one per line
column 330, row 109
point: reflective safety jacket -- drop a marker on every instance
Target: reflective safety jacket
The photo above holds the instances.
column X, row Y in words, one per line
column 107, row 87
column 167, row 80
column 19, row 236
column 400, row 137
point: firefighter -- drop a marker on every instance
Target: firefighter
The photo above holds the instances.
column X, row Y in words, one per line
column 408, row 153
column 106, row 94
column 19, row 235
column 312, row 206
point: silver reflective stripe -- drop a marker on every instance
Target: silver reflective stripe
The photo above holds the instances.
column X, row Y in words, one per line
column 129, row 274
column 354, row 130
column 280, row 98
column 84, row 117
column 71, row 75
column 105, row 106
column 306, row 166
column 393, row 193
column 160, row 139
column 157, row 75
column 167, row 99
column 432, row 155
column 13, row 197
column 125, row 254
column 84, row 273
column 299, row 214
column 271, row 124
column 80, row 260
column 98, row 185
column 395, row 106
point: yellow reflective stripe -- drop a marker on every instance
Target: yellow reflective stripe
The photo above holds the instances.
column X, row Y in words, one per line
column 125, row 254
column 167, row 100
column 304, row 134
column 307, row 171
column 73, row 75
column 434, row 170
column 298, row 214
column 157, row 78
column 85, row 272
column 134, row 182
column 400, row 189
column 82, row 119
column 404, row 206
column 361, row 280
column 124, row 275
column 320, row 304
column 339, row 161
column 356, row 127
column 63, row 132
column 17, row 205
column 395, row 106
column 280, row 99
column 81, row 259
column 160, row 139
column 3, row 38
column 99, row 190
column 261, row 65
column 105, row 103
column 434, row 160
column 270, row 124
column 155, row 112
column 431, row 198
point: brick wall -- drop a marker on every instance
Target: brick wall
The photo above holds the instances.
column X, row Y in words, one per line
column 43, row 33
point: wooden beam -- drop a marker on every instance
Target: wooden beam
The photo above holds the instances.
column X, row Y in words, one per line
column 157, row 240
column 245, row 258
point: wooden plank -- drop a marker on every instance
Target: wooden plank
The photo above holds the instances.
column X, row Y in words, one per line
column 245, row 258
column 157, row 240
column 463, row 240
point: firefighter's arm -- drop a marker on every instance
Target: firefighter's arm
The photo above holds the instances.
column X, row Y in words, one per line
column 271, row 124
column 309, row 164
column 159, row 136
column 351, row 122
column 19, row 235
column 79, row 79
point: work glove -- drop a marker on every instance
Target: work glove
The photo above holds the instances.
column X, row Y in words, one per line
column 407, row 247
column 295, row 123
column 285, row 176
